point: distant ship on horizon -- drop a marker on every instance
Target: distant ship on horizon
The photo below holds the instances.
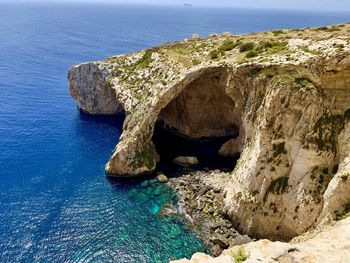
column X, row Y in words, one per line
column 188, row 5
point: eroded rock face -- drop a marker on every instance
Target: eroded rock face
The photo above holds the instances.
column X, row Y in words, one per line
column 290, row 107
column 88, row 86
column 202, row 109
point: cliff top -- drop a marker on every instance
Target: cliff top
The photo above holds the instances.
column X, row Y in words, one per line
column 160, row 66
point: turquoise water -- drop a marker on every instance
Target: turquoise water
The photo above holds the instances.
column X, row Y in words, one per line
column 56, row 204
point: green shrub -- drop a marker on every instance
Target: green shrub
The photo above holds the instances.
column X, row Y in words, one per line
column 240, row 256
column 196, row 62
column 278, row 32
column 253, row 53
column 278, row 186
column 228, row 45
column 344, row 177
column 247, row 46
column 214, row 54
column 304, row 83
column 323, row 28
column 269, row 46
column 145, row 60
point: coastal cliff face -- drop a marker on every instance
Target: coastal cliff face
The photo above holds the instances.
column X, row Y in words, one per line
column 325, row 244
column 285, row 97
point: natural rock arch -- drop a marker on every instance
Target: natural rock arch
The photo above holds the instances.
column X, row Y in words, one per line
column 204, row 113
column 294, row 127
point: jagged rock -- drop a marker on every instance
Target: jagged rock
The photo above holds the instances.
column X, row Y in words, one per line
column 220, row 240
column 195, row 37
column 240, row 240
column 186, row 160
column 287, row 101
column 232, row 147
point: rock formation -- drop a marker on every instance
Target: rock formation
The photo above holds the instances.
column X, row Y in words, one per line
column 331, row 244
column 284, row 95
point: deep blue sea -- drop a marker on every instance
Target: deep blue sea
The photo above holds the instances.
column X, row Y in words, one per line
column 56, row 204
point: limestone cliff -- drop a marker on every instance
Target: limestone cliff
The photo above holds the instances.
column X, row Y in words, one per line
column 286, row 96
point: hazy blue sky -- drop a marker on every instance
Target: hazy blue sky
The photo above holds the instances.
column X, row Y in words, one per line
column 340, row 5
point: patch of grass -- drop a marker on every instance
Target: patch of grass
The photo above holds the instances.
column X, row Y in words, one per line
column 253, row 53
column 278, row 186
column 334, row 28
column 246, row 46
column 326, row 130
column 227, row 45
column 344, row 177
column 278, row 32
column 270, row 47
column 314, row 52
column 144, row 158
column 109, row 81
column 195, row 62
column 278, row 149
column 240, row 256
column 214, row 54
column 304, row 83
column 329, row 29
column 146, row 59
column 322, row 28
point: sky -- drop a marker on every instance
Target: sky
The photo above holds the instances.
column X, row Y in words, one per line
column 326, row 5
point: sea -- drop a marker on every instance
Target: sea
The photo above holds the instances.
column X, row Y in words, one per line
column 56, row 203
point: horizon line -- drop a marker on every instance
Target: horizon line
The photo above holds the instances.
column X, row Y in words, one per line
column 85, row 2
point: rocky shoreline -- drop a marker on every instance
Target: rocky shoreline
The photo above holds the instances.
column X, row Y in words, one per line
column 200, row 203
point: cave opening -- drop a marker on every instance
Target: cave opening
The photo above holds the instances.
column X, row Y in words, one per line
column 198, row 123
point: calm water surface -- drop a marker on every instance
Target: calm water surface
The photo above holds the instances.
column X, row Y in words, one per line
column 56, row 205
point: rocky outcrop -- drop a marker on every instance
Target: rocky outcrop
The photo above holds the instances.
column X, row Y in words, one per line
column 89, row 86
column 331, row 244
column 285, row 97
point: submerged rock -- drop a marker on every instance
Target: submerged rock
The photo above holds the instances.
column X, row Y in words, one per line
column 167, row 210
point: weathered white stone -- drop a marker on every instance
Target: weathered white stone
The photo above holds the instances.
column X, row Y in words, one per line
column 186, row 160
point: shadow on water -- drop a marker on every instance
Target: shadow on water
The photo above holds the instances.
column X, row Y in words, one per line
column 115, row 121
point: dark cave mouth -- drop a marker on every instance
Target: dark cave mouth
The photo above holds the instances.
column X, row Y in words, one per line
column 198, row 122
column 170, row 144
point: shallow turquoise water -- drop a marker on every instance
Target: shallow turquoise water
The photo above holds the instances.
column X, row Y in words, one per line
column 56, row 204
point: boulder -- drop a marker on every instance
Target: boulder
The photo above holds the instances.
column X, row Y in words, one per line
column 186, row 161
column 162, row 178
